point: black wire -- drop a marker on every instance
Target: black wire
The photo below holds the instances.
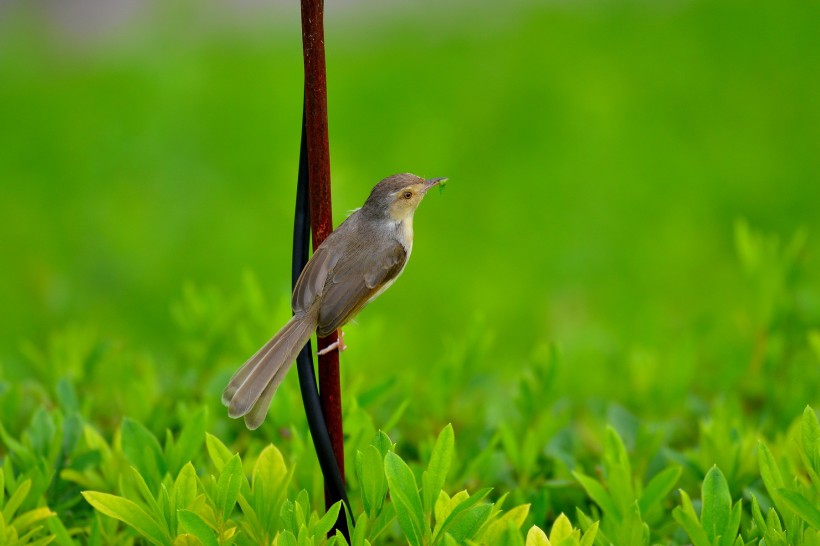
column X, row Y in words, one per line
column 304, row 362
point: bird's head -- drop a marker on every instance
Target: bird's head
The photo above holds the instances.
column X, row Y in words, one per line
column 396, row 197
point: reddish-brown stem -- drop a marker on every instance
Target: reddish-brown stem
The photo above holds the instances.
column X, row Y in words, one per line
column 313, row 43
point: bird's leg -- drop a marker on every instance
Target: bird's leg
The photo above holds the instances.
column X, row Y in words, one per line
column 339, row 344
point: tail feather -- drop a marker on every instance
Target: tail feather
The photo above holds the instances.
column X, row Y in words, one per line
column 252, row 387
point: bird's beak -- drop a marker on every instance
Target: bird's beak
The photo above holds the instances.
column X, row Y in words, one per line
column 430, row 182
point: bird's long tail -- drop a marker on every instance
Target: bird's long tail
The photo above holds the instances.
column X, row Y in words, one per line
column 251, row 388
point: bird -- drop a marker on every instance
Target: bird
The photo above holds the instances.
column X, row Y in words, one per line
column 354, row 265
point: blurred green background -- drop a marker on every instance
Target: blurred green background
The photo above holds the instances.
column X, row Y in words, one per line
column 630, row 183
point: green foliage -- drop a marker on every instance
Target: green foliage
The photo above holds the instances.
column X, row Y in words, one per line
column 622, row 497
column 719, row 521
column 616, row 298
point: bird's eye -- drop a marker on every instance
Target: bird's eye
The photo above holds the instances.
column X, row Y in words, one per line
column 408, row 194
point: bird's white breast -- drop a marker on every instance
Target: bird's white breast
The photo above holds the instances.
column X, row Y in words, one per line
column 405, row 229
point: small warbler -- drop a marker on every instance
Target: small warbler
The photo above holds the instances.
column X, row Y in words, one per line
column 354, row 265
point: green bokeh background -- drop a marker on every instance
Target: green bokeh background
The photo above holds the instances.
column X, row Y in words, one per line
column 601, row 157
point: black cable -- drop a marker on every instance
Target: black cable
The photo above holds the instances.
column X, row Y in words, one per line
column 304, row 362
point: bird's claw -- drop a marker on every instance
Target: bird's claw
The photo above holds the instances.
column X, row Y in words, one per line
column 338, row 345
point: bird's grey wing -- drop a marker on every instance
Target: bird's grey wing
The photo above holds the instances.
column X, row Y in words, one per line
column 313, row 278
column 355, row 280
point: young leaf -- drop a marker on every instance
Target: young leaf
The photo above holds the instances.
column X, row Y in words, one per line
column 358, row 538
column 692, row 527
column 633, row 530
column 185, row 487
column 757, row 515
column 192, row 523
column 218, row 452
column 269, row 481
column 561, row 529
column 466, row 523
column 287, row 538
column 589, row 535
column 129, row 513
column 658, row 487
column 440, row 460
column 340, row 539
column 810, row 431
column 455, row 512
column 325, row 524
column 228, row 485
column 382, row 443
column 156, row 511
column 770, row 473
column 27, row 519
column 189, row 442
column 717, row 503
column 537, row 537
column 599, row 495
column 511, row 536
column 142, row 450
column 497, row 528
column 405, row 495
column 16, row 499
column 619, row 471
column 373, row 481
column 802, row 507
column 686, row 517
column 730, row 533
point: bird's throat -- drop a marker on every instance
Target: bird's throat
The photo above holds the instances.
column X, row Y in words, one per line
column 404, row 232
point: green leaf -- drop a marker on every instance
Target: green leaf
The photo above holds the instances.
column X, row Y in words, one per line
column 464, row 524
column 340, row 539
column 218, row 452
column 41, row 431
column 142, row 450
column 771, row 475
column 325, row 524
column 405, row 495
column 189, row 442
column 373, row 480
column 55, row 525
column 228, row 485
column 287, row 538
column 633, row 530
column 658, row 487
column 270, row 478
column 382, row 443
column 599, row 495
column 15, row 500
column 185, row 487
column 192, row 523
column 717, row 503
column 156, row 512
column 619, row 472
column 497, row 528
column 440, row 460
column 757, row 515
column 687, row 518
column 692, row 527
column 463, row 506
column 733, row 526
column 129, row 513
column 589, row 535
column 359, row 536
column 561, row 529
column 511, row 536
column 802, row 507
column 27, row 519
column 537, row 537
column 810, row 431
